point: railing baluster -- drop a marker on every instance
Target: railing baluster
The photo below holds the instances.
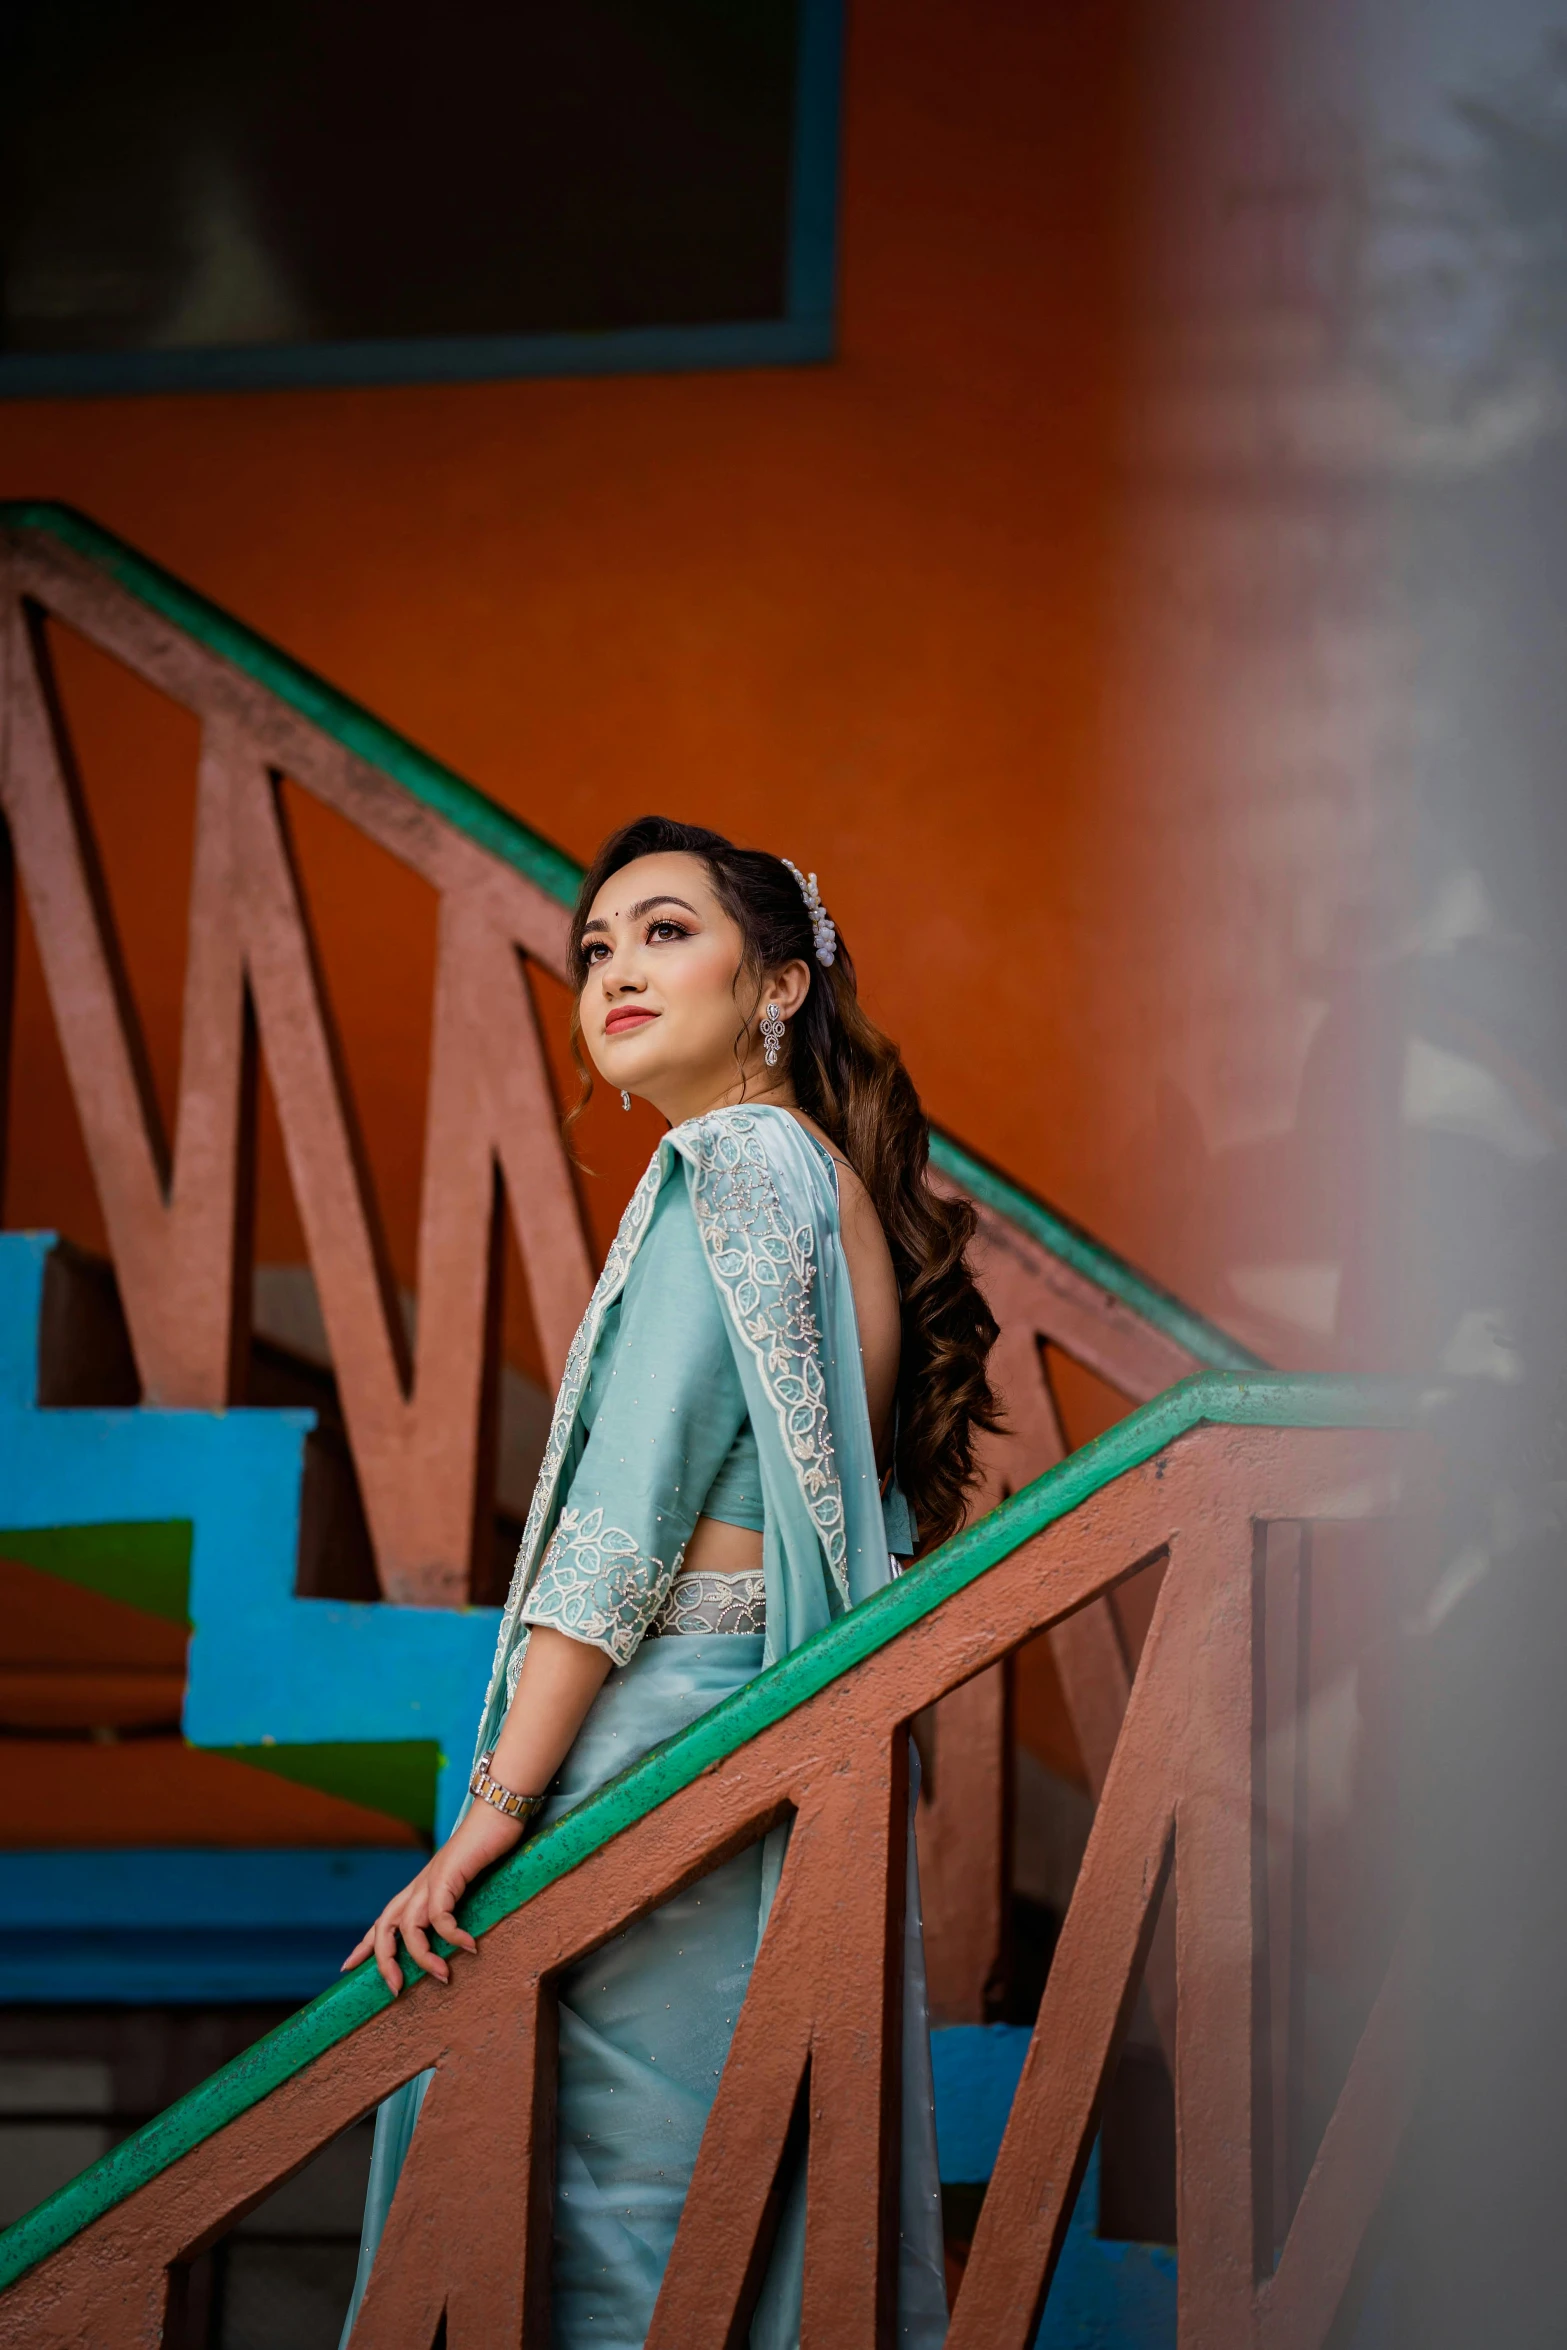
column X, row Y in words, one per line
column 489, row 1076
column 479, row 2255
column 83, row 971
column 326, row 1160
column 1283, row 1827
column 1299, row 2302
column 965, row 1813
column 855, row 1952
column 965, row 1867
column 174, row 1231
column 206, row 1302
column 1088, row 1999
column 1035, row 1298
column 721, row 2249
column 1217, row 1942
column 825, row 1996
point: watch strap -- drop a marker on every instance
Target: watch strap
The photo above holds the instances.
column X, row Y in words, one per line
column 505, row 1800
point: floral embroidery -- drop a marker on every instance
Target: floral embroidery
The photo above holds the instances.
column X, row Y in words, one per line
column 714, row 1603
column 594, row 1584
column 765, row 1271
column 765, row 1268
column 509, row 1647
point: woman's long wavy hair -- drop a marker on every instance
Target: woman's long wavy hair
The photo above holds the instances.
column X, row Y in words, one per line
column 850, row 1079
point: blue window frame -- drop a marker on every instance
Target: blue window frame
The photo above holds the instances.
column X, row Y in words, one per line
column 738, row 272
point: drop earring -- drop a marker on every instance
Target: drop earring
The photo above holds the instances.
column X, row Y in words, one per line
column 625, row 1099
column 772, row 1035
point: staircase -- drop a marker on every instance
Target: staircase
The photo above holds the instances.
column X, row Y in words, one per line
column 281, row 1674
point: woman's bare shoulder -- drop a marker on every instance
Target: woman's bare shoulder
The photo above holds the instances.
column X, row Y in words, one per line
column 856, row 1208
column 850, row 1188
column 863, row 1236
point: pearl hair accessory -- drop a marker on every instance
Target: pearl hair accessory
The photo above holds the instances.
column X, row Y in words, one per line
column 823, row 929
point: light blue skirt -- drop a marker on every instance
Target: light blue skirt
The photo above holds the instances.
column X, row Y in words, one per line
column 645, row 2025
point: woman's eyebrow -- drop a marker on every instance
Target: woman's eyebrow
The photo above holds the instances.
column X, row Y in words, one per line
column 643, row 906
column 664, row 898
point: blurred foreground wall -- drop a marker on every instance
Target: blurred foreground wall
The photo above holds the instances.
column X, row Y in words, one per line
column 1350, row 595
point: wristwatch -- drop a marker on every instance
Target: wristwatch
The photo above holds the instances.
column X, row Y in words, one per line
column 506, row 1800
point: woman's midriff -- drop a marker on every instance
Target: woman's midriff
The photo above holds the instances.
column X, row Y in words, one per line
column 717, row 1548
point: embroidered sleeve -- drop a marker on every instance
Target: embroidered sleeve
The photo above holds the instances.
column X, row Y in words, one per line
column 671, row 1408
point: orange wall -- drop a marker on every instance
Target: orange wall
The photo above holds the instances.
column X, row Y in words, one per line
column 875, row 615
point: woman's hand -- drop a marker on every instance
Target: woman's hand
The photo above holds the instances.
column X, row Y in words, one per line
column 559, row 1680
column 429, row 1904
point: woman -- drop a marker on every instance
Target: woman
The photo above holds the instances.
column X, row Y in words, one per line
column 785, row 1351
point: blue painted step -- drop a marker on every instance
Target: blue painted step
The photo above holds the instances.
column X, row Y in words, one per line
column 265, row 1668
column 145, row 1928
column 1105, row 2295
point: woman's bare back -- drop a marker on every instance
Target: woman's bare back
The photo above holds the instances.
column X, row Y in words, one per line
column 875, row 1287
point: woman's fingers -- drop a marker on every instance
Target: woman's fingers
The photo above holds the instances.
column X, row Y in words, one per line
column 446, row 1889
column 417, row 1944
column 385, row 1939
column 362, row 1949
column 371, row 1940
column 423, row 1907
column 446, row 1925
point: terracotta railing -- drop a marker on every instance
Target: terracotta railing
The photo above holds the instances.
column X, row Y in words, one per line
column 1195, row 1479
column 176, row 1217
column 421, row 1426
column 1047, row 1283
column 420, row 1430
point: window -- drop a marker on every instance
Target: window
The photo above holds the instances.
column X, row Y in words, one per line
column 321, row 191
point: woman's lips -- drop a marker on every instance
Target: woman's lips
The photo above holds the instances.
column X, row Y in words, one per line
column 619, row 1022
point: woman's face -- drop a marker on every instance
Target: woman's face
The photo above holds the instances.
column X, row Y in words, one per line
column 665, row 998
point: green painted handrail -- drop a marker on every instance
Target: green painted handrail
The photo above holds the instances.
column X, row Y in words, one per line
column 495, row 828
column 347, row 722
column 1227, row 1397
column 1090, row 1257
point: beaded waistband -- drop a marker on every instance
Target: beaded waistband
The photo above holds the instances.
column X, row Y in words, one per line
column 714, row 1603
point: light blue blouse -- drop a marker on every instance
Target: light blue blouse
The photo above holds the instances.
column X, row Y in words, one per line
column 717, row 1368
column 660, row 1418
column 735, row 1495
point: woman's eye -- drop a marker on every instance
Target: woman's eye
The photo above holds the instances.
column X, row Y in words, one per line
column 594, row 950
column 667, row 930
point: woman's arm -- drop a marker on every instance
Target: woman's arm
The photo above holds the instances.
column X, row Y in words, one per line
column 559, row 1680
column 670, row 1412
